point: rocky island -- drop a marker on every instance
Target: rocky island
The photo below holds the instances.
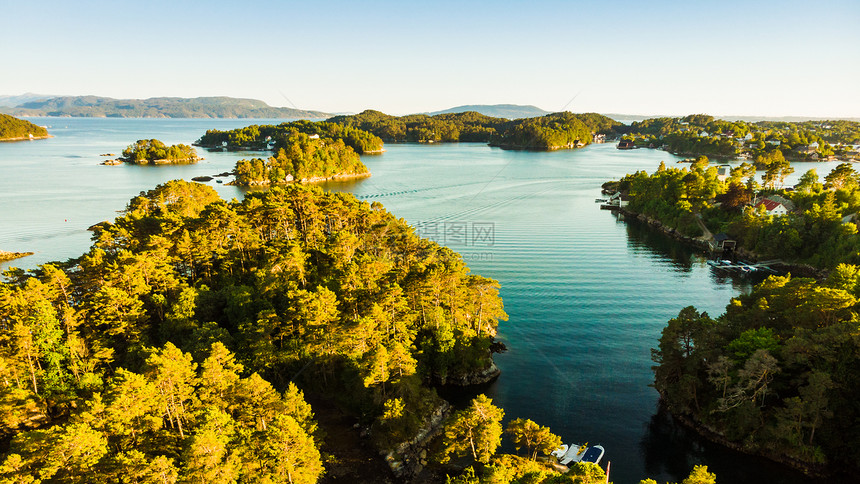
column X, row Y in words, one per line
column 14, row 129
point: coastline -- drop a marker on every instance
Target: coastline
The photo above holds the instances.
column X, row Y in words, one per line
column 314, row 179
column 7, row 256
column 27, row 138
column 810, row 469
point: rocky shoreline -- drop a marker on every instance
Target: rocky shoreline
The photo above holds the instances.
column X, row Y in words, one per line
column 26, row 138
column 692, row 423
column 802, row 270
column 6, row 256
column 313, row 179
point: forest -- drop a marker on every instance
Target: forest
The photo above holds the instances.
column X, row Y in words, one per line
column 14, row 128
column 820, row 231
column 153, row 151
column 174, row 349
column 776, row 374
column 261, row 137
column 301, row 158
column 701, row 134
column 553, row 131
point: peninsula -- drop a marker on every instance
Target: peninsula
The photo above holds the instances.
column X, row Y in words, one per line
column 14, row 129
column 4, row 256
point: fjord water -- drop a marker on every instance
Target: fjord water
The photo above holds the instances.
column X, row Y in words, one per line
column 587, row 293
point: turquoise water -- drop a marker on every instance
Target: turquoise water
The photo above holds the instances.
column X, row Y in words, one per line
column 587, row 294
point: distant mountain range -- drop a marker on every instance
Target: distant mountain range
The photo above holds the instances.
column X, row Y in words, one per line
column 12, row 101
column 509, row 111
column 156, row 107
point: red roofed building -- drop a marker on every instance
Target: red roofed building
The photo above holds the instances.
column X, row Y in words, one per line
column 772, row 206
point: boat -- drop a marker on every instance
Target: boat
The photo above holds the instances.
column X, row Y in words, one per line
column 573, row 453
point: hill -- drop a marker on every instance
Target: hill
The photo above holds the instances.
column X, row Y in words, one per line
column 17, row 100
column 158, row 107
column 12, row 128
column 509, row 111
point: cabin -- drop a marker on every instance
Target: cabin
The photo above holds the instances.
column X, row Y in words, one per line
column 724, row 172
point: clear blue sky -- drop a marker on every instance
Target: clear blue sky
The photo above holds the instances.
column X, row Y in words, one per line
column 647, row 57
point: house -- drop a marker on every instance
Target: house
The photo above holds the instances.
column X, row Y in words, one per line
column 748, row 137
column 704, row 134
column 776, row 205
column 625, row 145
column 773, row 142
column 314, row 136
column 724, row 172
column 813, row 145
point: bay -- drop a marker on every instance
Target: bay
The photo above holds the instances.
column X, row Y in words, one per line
column 587, row 293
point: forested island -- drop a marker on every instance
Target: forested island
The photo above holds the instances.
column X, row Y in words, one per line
column 776, row 374
column 14, row 129
column 155, row 152
column 157, row 107
column 553, row 131
column 700, row 134
column 366, row 132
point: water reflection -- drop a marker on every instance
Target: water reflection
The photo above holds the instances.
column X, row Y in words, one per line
column 670, row 450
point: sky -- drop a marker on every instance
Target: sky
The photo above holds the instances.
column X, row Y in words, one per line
column 749, row 58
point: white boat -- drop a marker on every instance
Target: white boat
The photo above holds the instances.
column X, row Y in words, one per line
column 570, row 454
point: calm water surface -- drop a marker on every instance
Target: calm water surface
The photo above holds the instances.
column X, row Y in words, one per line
column 587, row 294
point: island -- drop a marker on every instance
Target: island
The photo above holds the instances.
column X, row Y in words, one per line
column 775, row 375
column 155, row 152
column 275, row 137
column 701, row 134
column 553, row 131
column 14, row 129
column 157, row 107
column 302, row 158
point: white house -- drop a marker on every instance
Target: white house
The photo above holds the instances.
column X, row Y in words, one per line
column 724, row 172
column 776, row 205
column 774, row 142
column 748, row 137
column 814, row 145
column 704, row 134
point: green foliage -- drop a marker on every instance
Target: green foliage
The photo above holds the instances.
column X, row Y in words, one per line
column 531, row 436
column 146, row 151
column 475, row 431
column 701, row 134
column 772, row 373
column 151, row 427
column 301, row 158
column 13, row 128
column 262, row 137
column 177, row 345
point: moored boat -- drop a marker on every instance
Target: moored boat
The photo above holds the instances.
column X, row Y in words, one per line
column 573, row 453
